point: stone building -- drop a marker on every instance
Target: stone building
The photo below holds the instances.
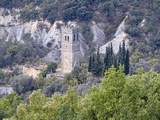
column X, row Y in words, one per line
column 70, row 48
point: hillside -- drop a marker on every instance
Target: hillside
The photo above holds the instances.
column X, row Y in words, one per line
column 115, row 77
column 142, row 24
column 31, row 31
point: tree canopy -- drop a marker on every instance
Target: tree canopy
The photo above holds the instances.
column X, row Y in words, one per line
column 117, row 97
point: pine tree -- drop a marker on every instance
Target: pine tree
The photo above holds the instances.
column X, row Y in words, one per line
column 126, row 65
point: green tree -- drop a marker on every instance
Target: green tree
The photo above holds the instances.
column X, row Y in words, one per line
column 98, row 66
column 35, row 109
column 89, row 65
column 126, row 65
column 8, row 105
column 109, row 57
column 22, row 84
column 105, row 99
column 140, row 98
column 51, row 67
column 69, row 106
column 84, row 13
column 123, row 53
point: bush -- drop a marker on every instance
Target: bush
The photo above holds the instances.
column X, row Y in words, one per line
column 28, row 15
column 78, row 75
column 69, row 14
column 84, row 14
column 144, row 48
column 133, row 31
column 155, row 41
column 55, row 86
column 22, row 84
column 51, row 68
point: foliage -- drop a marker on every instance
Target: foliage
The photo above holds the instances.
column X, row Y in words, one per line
column 84, row 13
column 96, row 65
column 4, row 77
column 55, row 86
column 51, row 68
column 28, row 15
column 126, row 66
column 123, row 57
column 140, row 90
column 108, row 59
column 22, row 84
column 117, row 97
column 78, row 75
column 19, row 53
column 155, row 41
column 8, row 106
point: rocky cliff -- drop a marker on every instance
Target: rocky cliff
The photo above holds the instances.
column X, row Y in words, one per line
column 47, row 35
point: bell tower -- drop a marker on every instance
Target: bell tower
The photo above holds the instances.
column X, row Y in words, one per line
column 70, row 48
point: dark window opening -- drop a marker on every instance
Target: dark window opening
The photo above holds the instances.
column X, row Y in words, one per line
column 65, row 38
column 68, row 38
column 77, row 36
column 74, row 37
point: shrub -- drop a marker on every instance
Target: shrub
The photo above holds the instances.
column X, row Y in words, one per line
column 84, row 14
column 22, row 84
column 133, row 31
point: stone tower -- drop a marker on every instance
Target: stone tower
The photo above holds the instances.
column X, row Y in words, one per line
column 70, row 48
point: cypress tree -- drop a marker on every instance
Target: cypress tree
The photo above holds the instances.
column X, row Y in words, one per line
column 97, row 69
column 90, row 64
column 109, row 58
column 93, row 62
column 115, row 62
column 98, row 56
column 111, row 55
column 126, row 66
column 123, row 53
column 106, row 59
column 119, row 55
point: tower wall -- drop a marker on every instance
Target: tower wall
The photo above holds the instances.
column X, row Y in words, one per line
column 70, row 49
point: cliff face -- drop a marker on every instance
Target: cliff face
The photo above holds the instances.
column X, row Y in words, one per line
column 11, row 28
column 47, row 35
column 119, row 37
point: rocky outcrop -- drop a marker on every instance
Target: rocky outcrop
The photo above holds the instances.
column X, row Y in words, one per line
column 41, row 32
column 4, row 90
column 98, row 35
column 119, row 37
column 47, row 35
